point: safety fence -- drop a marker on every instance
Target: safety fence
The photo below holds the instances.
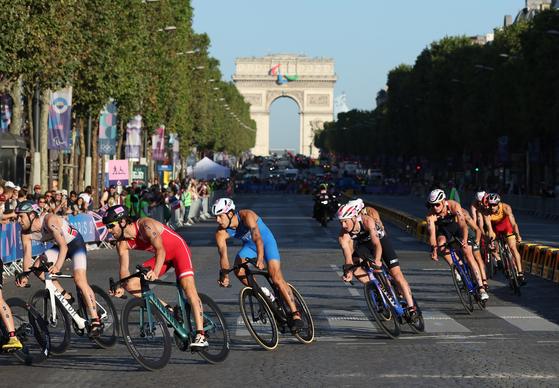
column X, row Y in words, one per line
column 539, row 260
column 265, row 187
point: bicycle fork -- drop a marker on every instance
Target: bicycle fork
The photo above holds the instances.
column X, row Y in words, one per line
column 388, row 298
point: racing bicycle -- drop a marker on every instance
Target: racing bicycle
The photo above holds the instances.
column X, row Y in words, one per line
column 510, row 269
column 144, row 325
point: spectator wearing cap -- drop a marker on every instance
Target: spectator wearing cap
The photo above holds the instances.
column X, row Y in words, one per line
column 109, row 197
column 37, row 192
column 453, row 192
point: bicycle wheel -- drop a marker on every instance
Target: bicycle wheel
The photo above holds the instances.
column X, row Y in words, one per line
column 324, row 220
column 151, row 347
column 32, row 332
column 59, row 329
column 108, row 317
column 479, row 302
column 306, row 335
column 217, row 332
column 260, row 322
column 513, row 271
column 375, row 300
column 462, row 288
column 419, row 326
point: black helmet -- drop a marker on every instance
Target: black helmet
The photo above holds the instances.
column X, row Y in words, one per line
column 115, row 213
column 28, row 207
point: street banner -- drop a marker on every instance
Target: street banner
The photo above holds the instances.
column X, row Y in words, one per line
column 176, row 149
column 6, row 105
column 134, row 138
column 118, row 172
column 107, row 129
column 158, row 143
column 60, row 120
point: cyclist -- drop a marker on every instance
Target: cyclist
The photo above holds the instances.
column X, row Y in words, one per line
column 13, row 343
column 359, row 225
column 68, row 243
column 500, row 222
column 474, row 239
column 257, row 241
column 444, row 220
column 170, row 250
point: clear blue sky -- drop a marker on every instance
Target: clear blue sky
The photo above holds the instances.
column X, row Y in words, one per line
column 366, row 39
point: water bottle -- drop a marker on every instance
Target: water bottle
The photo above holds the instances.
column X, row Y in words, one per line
column 268, row 293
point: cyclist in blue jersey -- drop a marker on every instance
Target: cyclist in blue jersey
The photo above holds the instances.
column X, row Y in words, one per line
column 258, row 242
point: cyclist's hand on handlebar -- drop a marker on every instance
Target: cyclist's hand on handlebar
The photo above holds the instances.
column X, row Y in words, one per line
column 22, row 280
column 260, row 264
column 54, row 269
column 224, row 282
column 117, row 293
column 151, row 276
column 348, row 276
column 434, row 256
column 518, row 238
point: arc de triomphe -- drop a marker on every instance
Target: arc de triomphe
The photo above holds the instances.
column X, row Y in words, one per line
column 309, row 82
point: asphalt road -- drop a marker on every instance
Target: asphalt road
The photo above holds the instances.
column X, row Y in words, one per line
column 512, row 343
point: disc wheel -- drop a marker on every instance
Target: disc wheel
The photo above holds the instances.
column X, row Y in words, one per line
column 217, row 332
column 149, row 345
column 375, row 301
column 31, row 330
column 259, row 320
column 59, row 328
column 306, row 335
column 462, row 288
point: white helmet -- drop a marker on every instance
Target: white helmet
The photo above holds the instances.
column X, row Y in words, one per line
column 346, row 211
column 222, row 205
column 437, row 196
column 480, row 195
column 357, row 204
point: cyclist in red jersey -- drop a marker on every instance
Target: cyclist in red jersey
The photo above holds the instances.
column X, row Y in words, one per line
column 170, row 250
column 500, row 221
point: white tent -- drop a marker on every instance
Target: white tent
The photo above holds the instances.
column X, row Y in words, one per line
column 208, row 169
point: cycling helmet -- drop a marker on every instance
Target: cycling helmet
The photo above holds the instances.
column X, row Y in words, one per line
column 222, row 205
column 346, row 212
column 480, row 195
column 115, row 213
column 437, row 196
column 28, row 207
column 493, row 199
column 357, row 203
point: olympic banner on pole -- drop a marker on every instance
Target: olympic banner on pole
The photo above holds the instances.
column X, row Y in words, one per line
column 158, row 143
column 176, row 150
column 134, row 138
column 6, row 105
column 118, row 172
column 60, row 120
column 107, row 129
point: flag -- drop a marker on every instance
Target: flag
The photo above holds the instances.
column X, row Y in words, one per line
column 134, row 138
column 174, row 202
column 158, row 143
column 176, row 149
column 101, row 228
column 60, row 120
column 107, row 129
column 6, row 105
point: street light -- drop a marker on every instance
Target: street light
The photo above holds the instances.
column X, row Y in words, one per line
column 169, row 28
column 484, row 67
column 554, row 32
column 509, row 56
column 187, row 52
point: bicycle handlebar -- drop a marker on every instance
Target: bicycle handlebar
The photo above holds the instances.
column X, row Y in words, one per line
column 142, row 271
column 43, row 267
column 250, row 260
column 365, row 264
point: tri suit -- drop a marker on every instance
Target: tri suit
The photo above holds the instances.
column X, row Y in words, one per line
column 249, row 247
column 365, row 247
column 501, row 224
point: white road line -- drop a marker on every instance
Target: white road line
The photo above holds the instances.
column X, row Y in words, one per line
column 488, row 376
column 354, row 292
column 523, row 319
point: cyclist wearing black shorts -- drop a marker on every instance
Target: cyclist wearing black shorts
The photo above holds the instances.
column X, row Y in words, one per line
column 363, row 230
column 68, row 243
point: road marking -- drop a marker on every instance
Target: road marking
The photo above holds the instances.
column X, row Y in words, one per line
column 438, row 322
column 548, row 342
column 523, row 319
column 349, row 322
column 239, row 327
column 461, row 342
column 354, row 292
column 519, row 376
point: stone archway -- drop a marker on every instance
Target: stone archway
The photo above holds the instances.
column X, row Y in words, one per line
column 309, row 82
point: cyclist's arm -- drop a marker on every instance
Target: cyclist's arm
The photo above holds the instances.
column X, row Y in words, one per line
column 376, row 216
column 490, row 231
column 250, row 218
column 471, row 223
column 508, row 212
column 149, row 231
column 26, row 243
column 457, row 210
column 346, row 243
column 431, row 229
column 221, row 236
column 54, row 224
column 124, row 259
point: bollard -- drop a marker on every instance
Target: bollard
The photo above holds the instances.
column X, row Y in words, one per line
column 540, row 260
column 549, row 263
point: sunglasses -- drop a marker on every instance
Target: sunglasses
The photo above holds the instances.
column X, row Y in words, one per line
column 436, row 204
column 111, row 225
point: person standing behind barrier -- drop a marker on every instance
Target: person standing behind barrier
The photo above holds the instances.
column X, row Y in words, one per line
column 145, row 208
column 186, row 198
column 454, row 196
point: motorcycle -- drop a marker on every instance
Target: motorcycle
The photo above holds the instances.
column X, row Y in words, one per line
column 325, row 207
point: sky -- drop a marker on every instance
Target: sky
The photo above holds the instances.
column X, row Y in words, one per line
column 366, row 39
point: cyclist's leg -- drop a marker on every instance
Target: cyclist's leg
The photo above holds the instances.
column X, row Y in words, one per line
column 467, row 252
column 443, row 250
column 511, row 242
column 361, row 252
column 77, row 252
column 8, row 320
column 477, row 255
column 391, row 261
column 189, row 287
column 51, row 256
column 247, row 251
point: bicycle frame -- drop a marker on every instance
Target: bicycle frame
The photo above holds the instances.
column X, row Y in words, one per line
column 463, row 269
column 387, row 297
column 53, row 291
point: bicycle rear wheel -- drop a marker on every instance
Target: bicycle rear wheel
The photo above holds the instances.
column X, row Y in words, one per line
column 512, row 271
column 259, row 321
column 375, row 301
column 150, row 347
column 462, row 288
column 419, row 326
column 306, row 335
column 108, row 317
column 217, row 332
column 59, row 329
column 32, row 332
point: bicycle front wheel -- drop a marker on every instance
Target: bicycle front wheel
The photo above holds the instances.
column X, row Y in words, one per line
column 108, row 317
column 375, row 301
column 259, row 321
column 149, row 344
column 59, row 328
column 462, row 288
column 217, row 332
column 513, row 272
column 306, row 335
column 32, row 332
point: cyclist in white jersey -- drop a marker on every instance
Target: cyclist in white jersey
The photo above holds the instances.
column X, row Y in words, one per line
column 68, row 243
